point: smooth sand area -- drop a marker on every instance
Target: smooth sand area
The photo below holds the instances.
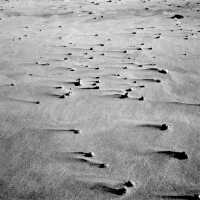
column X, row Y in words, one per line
column 99, row 99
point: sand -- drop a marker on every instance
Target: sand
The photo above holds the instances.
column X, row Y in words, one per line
column 99, row 99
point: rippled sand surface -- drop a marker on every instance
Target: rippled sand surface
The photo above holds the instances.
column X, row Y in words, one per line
column 99, row 99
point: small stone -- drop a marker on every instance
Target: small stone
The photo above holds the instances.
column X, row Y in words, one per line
column 76, row 131
column 163, row 127
column 163, row 71
column 129, row 184
column 177, row 16
column 89, row 154
column 124, row 96
column 103, row 165
column 62, row 96
column 129, row 90
column 141, row 98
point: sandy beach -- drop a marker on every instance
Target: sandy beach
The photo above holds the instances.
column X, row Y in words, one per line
column 99, row 99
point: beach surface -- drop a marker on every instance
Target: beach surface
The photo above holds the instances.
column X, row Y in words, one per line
column 99, row 99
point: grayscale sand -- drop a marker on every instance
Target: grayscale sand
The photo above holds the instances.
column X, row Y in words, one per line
column 99, row 99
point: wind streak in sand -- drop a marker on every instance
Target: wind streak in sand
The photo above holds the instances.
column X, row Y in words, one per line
column 61, row 96
column 162, row 71
column 42, row 64
column 161, row 127
column 125, row 96
column 183, row 103
column 186, row 197
column 85, row 154
column 75, row 131
column 24, row 101
column 93, row 163
column 75, row 83
column 179, row 155
column 126, row 90
column 91, row 88
column 118, row 189
column 174, row 154
column 11, row 84
column 75, row 153
column 178, row 103
column 153, row 80
column 72, row 157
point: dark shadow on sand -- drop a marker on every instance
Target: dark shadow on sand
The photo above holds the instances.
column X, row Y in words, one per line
column 70, row 157
column 184, row 197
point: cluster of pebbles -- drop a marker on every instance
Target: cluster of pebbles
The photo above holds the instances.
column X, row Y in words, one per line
column 85, row 67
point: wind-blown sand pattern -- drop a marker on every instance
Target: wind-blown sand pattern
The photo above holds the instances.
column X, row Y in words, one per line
column 99, row 99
